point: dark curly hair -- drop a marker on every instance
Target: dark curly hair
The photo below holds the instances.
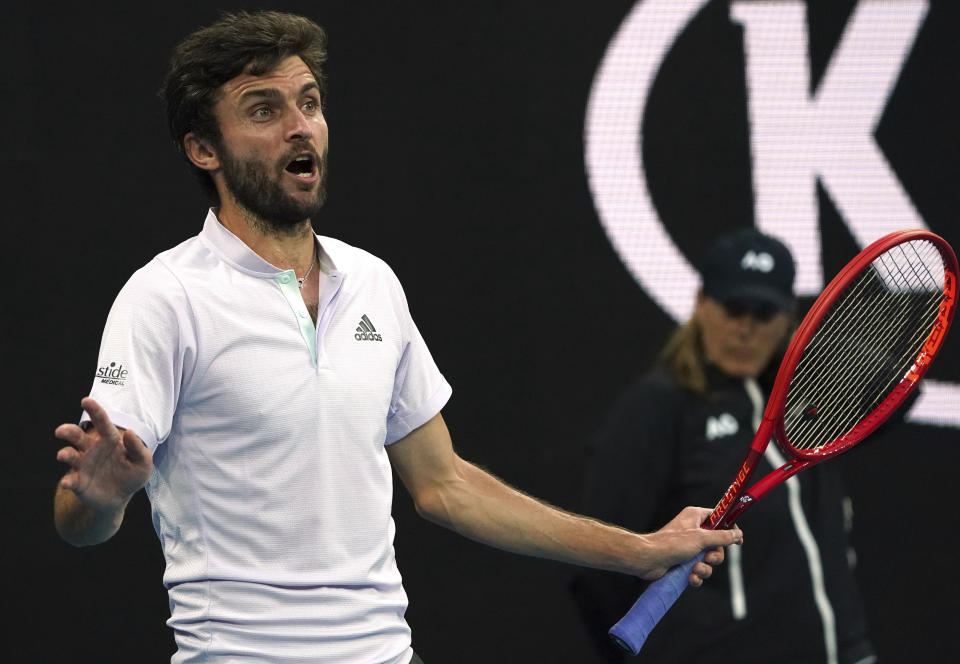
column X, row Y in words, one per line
column 253, row 42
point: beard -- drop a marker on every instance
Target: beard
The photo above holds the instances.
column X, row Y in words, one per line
column 256, row 190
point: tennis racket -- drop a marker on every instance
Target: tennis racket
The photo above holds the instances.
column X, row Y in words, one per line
column 860, row 350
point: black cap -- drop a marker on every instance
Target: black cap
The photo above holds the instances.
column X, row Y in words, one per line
column 749, row 268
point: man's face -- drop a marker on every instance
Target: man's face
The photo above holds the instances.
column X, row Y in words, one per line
column 273, row 145
column 739, row 344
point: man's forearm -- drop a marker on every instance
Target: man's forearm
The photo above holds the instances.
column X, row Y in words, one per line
column 81, row 525
column 454, row 493
column 483, row 508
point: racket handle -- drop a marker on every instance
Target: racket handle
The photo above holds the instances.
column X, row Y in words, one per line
column 634, row 628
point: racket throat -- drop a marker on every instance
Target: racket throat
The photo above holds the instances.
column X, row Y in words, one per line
column 731, row 498
column 738, row 507
column 760, row 489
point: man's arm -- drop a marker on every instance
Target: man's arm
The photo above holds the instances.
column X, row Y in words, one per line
column 81, row 525
column 107, row 466
column 454, row 493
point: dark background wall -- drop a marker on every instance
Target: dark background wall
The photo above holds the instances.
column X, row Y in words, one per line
column 457, row 155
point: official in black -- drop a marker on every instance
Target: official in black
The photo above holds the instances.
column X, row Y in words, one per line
column 678, row 435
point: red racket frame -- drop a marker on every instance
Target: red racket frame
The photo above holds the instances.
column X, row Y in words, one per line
column 735, row 500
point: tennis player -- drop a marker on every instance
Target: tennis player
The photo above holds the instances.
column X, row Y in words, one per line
column 260, row 381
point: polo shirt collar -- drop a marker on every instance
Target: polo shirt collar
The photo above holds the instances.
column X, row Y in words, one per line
column 236, row 252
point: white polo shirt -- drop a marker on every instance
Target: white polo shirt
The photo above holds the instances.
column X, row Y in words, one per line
column 271, row 490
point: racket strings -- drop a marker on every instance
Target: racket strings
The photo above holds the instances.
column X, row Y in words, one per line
column 860, row 390
column 891, row 324
column 864, row 345
column 823, row 349
column 847, row 384
column 896, row 325
column 867, row 351
column 911, row 253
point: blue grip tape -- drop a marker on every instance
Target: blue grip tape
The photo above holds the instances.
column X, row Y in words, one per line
column 634, row 628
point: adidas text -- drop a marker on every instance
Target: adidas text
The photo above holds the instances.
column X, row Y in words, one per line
column 367, row 336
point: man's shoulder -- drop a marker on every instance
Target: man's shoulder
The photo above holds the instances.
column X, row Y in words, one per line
column 165, row 269
column 352, row 259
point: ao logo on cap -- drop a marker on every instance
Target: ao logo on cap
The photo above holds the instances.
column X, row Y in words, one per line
column 761, row 262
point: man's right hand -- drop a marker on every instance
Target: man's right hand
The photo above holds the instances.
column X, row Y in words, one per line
column 107, row 466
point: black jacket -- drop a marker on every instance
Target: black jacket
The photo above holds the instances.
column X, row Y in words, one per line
column 661, row 448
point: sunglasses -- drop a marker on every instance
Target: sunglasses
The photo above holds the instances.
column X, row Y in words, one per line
column 763, row 313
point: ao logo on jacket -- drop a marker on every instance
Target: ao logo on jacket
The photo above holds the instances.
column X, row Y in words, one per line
column 721, row 426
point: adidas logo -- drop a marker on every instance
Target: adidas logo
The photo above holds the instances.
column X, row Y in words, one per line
column 366, row 331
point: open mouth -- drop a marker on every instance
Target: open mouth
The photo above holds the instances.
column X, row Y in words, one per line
column 303, row 166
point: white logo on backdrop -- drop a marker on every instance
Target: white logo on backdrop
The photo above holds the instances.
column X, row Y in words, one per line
column 798, row 138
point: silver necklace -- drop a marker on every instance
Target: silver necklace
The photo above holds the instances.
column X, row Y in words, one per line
column 300, row 280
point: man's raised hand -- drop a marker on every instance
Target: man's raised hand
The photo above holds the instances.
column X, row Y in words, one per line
column 107, row 465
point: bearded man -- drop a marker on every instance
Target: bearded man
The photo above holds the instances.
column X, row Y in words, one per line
column 261, row 382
